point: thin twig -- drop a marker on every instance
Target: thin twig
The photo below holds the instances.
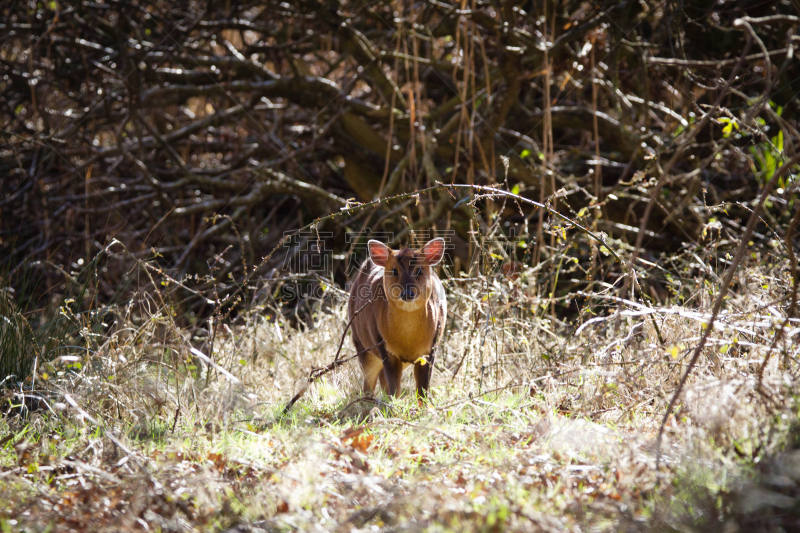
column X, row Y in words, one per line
column 317, row 373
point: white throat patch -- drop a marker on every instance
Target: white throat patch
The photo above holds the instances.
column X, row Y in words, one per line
column 414, row 305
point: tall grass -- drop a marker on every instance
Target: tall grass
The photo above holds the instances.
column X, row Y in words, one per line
column 560, row 411
column 68, row 327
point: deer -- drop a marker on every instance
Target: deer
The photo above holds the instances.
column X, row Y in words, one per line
column 397, row 310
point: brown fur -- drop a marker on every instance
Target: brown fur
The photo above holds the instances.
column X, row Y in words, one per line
column 410, row 329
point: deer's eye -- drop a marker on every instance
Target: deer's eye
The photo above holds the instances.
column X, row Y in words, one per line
column 418, row 271
column 394, row 272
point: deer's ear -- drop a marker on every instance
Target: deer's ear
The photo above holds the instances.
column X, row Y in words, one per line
column 378, row 252
column 434, row 251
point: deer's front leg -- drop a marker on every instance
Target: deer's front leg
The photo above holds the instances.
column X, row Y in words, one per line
column 392, row 372
column 422, row 375
column 423, row 372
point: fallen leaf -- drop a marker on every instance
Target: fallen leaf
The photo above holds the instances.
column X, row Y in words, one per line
column 283, row 506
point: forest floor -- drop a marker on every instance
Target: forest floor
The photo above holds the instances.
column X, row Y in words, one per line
column 561, row 437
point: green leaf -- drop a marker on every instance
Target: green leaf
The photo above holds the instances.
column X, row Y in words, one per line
column 730, row 123
column 515, row 189
column 726, row 131
column 771, row 165
column 525, row 153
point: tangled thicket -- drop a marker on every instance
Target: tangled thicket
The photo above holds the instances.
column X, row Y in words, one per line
column 186, row 130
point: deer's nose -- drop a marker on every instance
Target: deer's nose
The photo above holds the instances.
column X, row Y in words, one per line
column 408, row 293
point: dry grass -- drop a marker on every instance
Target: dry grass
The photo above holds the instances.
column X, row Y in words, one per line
column 534, row 425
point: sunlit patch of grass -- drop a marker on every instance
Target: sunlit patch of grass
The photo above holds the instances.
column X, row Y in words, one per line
column 510, row 439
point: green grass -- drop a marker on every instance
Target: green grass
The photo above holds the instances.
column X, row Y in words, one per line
column 475, row 467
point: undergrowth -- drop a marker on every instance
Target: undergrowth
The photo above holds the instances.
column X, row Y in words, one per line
column 535, row 423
